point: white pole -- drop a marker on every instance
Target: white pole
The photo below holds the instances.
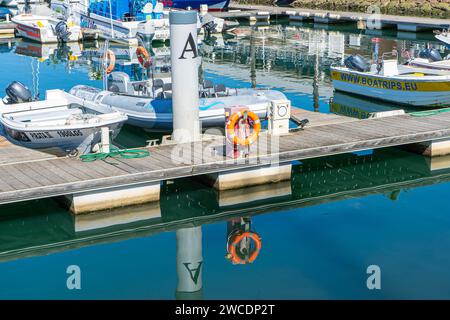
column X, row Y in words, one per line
column 105, row 139
column 185, row 63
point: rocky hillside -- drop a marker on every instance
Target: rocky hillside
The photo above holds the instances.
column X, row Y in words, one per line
column 428, row 8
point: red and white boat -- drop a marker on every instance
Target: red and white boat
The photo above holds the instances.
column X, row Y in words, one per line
column 46, row 29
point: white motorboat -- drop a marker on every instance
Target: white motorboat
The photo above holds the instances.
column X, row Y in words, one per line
column 60, row 124
column 46, row 29
column 432, row 59
column 391, row 82
column 443, row 36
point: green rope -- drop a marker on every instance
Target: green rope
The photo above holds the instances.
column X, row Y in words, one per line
column 429, row 113
column 116, row 153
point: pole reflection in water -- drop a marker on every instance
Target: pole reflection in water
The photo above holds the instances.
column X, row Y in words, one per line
column 189, row 264
column 316, row 84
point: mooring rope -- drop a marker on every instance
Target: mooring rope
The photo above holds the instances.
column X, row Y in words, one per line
column 115, row 153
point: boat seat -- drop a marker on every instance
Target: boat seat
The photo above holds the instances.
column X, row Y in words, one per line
column 206, row 89
column 207, row 84
column 46, row 116
column 220, row 90
column 167, row 87
column 158, row 84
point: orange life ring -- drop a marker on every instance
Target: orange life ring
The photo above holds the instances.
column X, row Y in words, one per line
column 233, row 255
column 111, row 59
column 143, row 57
column 233, row 120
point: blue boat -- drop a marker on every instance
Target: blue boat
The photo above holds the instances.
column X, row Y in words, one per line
column 124, row 20
column 4, row 12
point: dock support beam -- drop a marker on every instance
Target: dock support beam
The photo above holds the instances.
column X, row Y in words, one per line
column 113, row 197
column 434, row 148
column 249, row 177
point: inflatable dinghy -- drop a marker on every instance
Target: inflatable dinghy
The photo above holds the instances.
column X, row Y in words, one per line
column 156, row 114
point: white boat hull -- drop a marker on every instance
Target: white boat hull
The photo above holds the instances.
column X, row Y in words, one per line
column 52, row 125
column 61, row 141
column 436, row 65
column 444, row 37
column 413, row 92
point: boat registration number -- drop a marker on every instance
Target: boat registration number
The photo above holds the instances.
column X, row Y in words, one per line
column 60, row 133
column 69, row 133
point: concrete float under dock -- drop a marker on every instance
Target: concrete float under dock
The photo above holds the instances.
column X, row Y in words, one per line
column 46, row 176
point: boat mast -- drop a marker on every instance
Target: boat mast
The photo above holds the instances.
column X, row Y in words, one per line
column 111, row 19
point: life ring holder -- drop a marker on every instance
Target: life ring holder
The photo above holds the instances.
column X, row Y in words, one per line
column 235, row 239
column 143, row 57
column 111, row 60
column 231, row 124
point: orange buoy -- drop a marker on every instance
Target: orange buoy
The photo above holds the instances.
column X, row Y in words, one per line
column 111, row 61
column 233, row 120
column 143, row 57
column 236, row 240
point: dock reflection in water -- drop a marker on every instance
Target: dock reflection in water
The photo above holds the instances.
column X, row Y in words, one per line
column 335, row 217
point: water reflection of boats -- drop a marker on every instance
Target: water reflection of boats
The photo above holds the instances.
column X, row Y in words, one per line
column 359, row 107
column 45, row 29
column 392, row 82
column 45, row 51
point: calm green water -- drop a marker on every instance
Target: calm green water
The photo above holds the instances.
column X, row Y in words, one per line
column 320, row 231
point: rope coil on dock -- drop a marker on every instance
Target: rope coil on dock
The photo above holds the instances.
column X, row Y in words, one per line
column 116, row 153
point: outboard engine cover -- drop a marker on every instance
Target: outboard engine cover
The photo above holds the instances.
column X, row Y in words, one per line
column 119, row 82
column 357, row 62
column 62, row 31
column 17, row 92
column 431, row 54
column 208, row 23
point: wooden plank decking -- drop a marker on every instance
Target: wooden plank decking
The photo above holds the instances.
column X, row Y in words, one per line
column 60, row 176
column 317, row 118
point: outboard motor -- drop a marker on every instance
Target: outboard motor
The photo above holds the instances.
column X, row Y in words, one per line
column 208, row 24
column 357, row 62
column 430, row 54
column 17, row 92
column 62, row 32
column 119, row 82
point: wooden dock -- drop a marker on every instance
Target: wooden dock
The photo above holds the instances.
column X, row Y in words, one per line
column 402, row 23
column 42, row 178
column 10, row 153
